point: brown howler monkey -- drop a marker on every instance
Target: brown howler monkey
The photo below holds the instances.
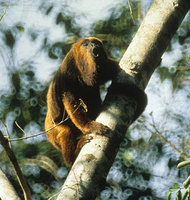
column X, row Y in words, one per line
column 84, row 68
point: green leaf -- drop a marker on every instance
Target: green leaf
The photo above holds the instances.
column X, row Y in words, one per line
column 185, row 194
column 186, row 183
column 175, row 186
column 183, row 164
column 9, row 39
column 179, row 195
column 170, row 196
column 20, row 28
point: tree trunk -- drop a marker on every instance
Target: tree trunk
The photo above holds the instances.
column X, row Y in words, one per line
column 7, row 191
column 90, row 169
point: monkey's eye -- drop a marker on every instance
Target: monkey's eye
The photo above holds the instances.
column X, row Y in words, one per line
column 85, row 43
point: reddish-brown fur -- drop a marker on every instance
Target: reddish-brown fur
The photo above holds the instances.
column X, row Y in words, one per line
column 73, row 98
column 84, row 68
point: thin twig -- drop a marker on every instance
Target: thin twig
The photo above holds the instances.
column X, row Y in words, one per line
column 131, row 11
column 62, row 121
column 164, row 139
column 8, row 136
column 4, row 12
column 53, row 196
column 20, row 127
column 31, row 136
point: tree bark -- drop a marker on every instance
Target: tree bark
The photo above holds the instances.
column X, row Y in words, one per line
column 6, row 189
column 90, row 169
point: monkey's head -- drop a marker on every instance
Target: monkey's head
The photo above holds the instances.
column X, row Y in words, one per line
column 91, row 60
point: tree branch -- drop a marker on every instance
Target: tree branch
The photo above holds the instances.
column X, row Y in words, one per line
column 138, row 63
column 152, row 38
column 8, row 191
column 20, row 177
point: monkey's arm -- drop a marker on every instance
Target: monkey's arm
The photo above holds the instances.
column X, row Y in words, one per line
column 78, row 113
column 131, row 90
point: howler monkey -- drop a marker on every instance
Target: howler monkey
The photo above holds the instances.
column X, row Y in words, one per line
column 73, row 99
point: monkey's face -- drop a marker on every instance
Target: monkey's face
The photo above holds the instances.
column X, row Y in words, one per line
column 96, row 49
column 90, row 58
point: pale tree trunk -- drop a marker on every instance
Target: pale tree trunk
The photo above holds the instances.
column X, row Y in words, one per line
column 6, row 189
column 90, row 169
